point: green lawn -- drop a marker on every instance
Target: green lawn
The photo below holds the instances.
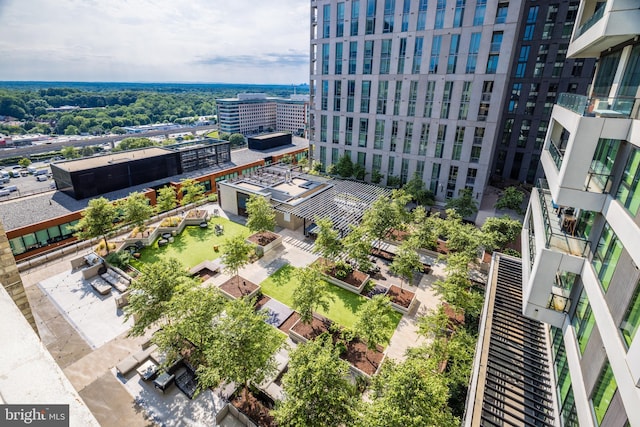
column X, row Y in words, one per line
column 193, row 245
column 342, row 310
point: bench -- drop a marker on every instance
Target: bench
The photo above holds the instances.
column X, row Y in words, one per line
column 100, row 286
column 131, row 362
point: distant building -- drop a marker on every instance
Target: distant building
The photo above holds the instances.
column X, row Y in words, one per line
column 252, row 113
column 147, row 128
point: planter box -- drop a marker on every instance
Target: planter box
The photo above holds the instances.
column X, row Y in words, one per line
column 231, row 290
column 263, row 250
column 345, row 285
column 394, row 290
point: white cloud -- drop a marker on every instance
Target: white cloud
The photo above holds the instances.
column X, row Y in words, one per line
column 244, row 41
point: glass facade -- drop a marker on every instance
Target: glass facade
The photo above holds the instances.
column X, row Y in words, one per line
column 583, row 321
column 631, row 321
column 629, row 190
column 40, row 238
column 603, row 392
column 606, row 256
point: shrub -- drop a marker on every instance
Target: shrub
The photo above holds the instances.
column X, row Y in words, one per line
column 172, row 221
column 342, row 269
column 118, row 259
column 213, row 197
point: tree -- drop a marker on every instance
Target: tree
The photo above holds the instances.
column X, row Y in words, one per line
column 24, row 162
column 152, row 290
column 317, row 391
column 310, row 293
column 327, row 243
column 134, row 143
column 498, row 232
column 344, row 167
column 357, row 244
column 70, row 152
column 376, row 176
column 416, row 188
column 192, row 191
column 97, row 220
column 242, row 349
column 409, row 394
column 456, row 289
column 87, row 151
column 374, row 320
column 303, row 163
column 236, row 254
column 189, row 314
column 136, row 209
column 261, row 216
column 236, row 139
column 359, row 172
column 464, row 204
column 461, row 237
column 382, row 216
column 167, row 199
column 71, row 130
column 426, row 228
column 407, row 261
column 511, row 198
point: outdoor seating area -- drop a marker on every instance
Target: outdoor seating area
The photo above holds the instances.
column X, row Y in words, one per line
column 219, row 229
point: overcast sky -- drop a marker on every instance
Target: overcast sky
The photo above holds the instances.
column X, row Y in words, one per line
column 229, row 41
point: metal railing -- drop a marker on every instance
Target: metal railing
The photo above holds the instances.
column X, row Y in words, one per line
column 597, row 15
column 556, row 154
column 599, row 182
column 555, row 237
column 618, row 107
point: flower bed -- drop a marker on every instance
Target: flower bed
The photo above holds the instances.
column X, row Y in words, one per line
column 196, row 216
column 354, row 280
column 401, row 299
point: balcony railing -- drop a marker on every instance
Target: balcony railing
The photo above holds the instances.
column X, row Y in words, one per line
column 597, row 15
column 620, row 107
column 559, row 298
column 556, row 154
column 598, row 182
column 557, row 236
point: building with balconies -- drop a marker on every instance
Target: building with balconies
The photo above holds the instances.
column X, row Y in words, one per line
column 581, row 234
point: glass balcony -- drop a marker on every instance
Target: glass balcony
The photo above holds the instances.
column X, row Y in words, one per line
column 556, row 154
column 597, row 15
column 621, row 107
column 561, row 225
column 559, row 298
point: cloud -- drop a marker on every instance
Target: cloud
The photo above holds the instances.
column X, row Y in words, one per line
column 154, row 40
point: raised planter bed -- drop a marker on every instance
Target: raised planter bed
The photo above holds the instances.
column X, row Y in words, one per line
column 354, row 282
column 381, row 253
column 375, row 290
column 196, row 217
column 238, row 287
column 362, row 360
column 265, row 241
column 401, row 300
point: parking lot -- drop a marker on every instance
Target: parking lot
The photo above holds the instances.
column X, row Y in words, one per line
column 26, row 183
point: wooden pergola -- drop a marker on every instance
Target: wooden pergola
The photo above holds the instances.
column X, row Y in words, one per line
column 344, row 203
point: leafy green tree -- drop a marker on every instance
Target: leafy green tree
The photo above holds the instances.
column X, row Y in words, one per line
column 236, row 139
column 167, row 199
column 357, row 245
column 374, row 320
column 24, row 162
column 511, row 198
column 189, row 315
column 316, row 387
column 224, row 136
column 310, row 293
column 303, row 163
column 382, row 216
column 393, row 181
column 192, row 191
column 344, row 167
column 426, row 228
column 236, row 254
column 435, row 324
column 461, row 237
column 261, row 215
column 359, row 172
column 134, row 143
column 243, row 348
column 97, row 220
column 465, row 205
column 71, row 130
column 498, row 232
column 117, row 130
column 416, row 188
column 376, row 176
column 409, row 394
column 456, row 289
column 87, row 151
column 328, row 242
column 152, row 290
column 316, row 167
column 407, row 261
column 137, row 209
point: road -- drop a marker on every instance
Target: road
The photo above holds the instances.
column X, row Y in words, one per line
column 79, row 143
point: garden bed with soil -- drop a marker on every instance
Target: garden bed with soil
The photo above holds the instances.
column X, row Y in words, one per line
column 239, row 287
column 401, row 299
column 381, row 253
column 354, row 281
column 255, row 408
column 265, row 241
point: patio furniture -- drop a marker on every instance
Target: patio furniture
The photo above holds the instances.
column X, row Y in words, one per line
column 204, row 224
column 166, row 236
column 148, row 370
column 163, row 242
column 163, row 381
column 186, row 380
column 216, row 212
column 219, row 229
column 100, row 287
column 139, row 244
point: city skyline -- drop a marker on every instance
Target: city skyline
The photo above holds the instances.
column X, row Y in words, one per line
column 173, row 41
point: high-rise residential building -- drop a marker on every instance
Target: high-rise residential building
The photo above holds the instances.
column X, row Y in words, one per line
column 581, row 235
column 539, row 71
column 411, row 86
column 252, row 113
